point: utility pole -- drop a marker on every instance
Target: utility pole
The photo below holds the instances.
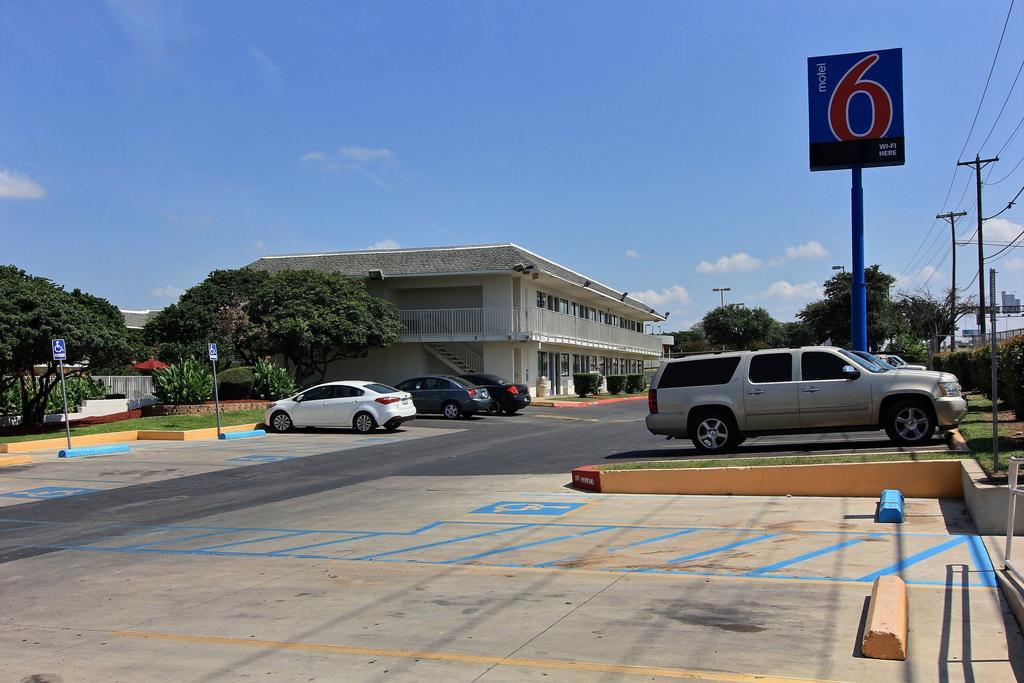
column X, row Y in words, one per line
column 979, row 164
column 951, row 217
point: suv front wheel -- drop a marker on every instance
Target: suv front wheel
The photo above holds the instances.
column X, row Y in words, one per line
column 714, row 432
column 909, row 423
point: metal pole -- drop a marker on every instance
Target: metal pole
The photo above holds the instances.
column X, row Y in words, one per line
column 858, row 289
column 216, row 395
column 951, row 217
column 64, row 395
column 1011, row 514
column 981, row 251
column 995, row 376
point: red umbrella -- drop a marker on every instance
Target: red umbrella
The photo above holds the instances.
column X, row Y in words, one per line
column 150, row 365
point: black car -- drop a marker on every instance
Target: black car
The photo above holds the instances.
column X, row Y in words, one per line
column 508, row 397
column 453, row 397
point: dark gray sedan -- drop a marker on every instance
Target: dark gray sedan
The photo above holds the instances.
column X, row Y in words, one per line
column 450, row 396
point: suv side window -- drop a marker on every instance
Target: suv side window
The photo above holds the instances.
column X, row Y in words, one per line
column 771, row 367
column 818, row 365
column 698, row 373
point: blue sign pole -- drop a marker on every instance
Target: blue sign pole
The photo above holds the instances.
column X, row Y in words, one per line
column 859, row 288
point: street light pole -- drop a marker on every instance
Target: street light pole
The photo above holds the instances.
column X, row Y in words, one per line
column 840, row 268
column 722, row 291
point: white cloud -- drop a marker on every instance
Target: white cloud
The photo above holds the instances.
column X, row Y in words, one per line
column 316, row 155
column 632, row 253
column 812, row 249
column 1014, row 264
column 260, row 246
column 166, row 293
column 13, row 185
column 674, row 296
column 385, row 244
column 921, row 277
column 268, row 68
column 727, row 264
column 786, row 290
column 368, row 155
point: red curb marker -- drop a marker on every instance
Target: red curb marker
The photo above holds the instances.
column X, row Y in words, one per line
column 584, row 404
column 587, row 478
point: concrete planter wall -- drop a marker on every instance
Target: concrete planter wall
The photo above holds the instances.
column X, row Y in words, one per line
column 988, row 503
column 202, row 408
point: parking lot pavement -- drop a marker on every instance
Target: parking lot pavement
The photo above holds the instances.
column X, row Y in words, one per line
column 50, row 477
column 496, row 577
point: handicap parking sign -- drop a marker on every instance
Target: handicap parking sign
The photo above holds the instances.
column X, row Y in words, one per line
column 516, row 507
column 212, row 348
column 59, row 348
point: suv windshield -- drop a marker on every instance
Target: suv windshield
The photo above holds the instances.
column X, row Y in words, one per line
column 867, row 361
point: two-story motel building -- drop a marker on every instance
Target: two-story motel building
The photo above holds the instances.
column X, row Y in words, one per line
column 499, row 308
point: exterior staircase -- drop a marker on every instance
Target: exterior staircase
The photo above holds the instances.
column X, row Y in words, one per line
column 459, row 356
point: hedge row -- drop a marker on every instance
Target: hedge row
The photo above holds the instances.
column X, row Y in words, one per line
column 974, row 370
column 631, row 384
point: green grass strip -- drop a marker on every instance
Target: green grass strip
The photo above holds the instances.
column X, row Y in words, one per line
column 171, row 422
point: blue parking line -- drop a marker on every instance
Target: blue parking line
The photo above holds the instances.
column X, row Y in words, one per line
column 806, row 556
column 523, row 546
column 460, row 539
column 323, row 543
column 662, row 537
column 255, row 540
column 914, row 559
column 171, row 540
column 982, row 563
column 720, row 549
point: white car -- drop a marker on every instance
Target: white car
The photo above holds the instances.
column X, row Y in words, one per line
column 899, row 363
column 363, row 406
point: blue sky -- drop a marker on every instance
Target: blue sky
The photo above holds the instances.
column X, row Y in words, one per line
column 659, row 146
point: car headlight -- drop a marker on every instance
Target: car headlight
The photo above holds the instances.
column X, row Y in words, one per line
column 949, row 389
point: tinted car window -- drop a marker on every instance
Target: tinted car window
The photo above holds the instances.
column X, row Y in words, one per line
column 434, row 384
column 318, row 393
column 345, row 391
column 491, row 379
column 382, row 388
column 697, row 373
column 816, row 365
column 411, row 385
column 771, row 367
column 460, row 383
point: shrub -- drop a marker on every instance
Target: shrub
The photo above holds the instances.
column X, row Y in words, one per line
column 1011, row 369
column 235, row 383
column 186, row 382
column 959, row 363
column 635, row 383
column 79, row 390
column 939, row 363
column 272, row 381
column 587, row 383
column 616, row 384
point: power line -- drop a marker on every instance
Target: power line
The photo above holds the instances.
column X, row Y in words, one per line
column 1012, row 135
column 999, row 115
column 996, row 182
column 1009, row 205
column 988, row 80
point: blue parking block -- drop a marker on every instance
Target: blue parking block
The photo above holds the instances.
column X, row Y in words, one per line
column 263, row 458
column 92, row 450
column 242, row 435
column 49, row 492
column 890, row 508
column 516, row 507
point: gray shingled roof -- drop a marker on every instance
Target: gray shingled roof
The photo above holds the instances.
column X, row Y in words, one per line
column 435, row 261
column 134, row 320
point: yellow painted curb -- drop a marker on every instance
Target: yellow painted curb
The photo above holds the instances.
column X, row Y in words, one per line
column 12, row 460
column 121, row 437
column 925, row 479
column 885, row 633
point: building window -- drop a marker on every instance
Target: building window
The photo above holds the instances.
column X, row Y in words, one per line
column 552, row 303
column 542, row 364
column 564, row 306
column 565, row 365
column 542, row 300
column 576, row 363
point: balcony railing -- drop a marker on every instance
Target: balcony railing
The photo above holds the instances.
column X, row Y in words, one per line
column 528, row 323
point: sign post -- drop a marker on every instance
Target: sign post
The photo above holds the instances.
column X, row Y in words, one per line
column 212, row 350
column 60, row 354
column 855, row 115
column 994, row 346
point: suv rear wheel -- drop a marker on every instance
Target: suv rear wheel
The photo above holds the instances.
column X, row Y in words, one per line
column 714, row 432
column 910, row 423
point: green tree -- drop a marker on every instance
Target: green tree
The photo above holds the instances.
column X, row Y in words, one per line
column 737, row 327
column 692, row 340
column 217, row 310
column 923, row 316
column 829, row 318
column 34, row 310
column 314, row 318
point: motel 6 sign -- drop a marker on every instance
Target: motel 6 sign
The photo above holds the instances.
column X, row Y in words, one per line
column 855, row 102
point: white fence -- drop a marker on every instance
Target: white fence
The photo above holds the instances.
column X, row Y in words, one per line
column 131, row 386
column 495, row 324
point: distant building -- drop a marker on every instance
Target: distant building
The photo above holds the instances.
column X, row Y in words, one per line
column 498, row 309
column 135, row 320
column 1010, row 303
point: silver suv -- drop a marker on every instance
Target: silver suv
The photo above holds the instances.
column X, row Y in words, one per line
column 719, row 399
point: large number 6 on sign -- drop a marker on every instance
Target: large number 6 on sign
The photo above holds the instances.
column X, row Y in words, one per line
column 839, row 106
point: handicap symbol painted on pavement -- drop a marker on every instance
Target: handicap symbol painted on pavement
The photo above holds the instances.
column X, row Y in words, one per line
column 512, row 507
column 48, row 492
column 264, row 458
